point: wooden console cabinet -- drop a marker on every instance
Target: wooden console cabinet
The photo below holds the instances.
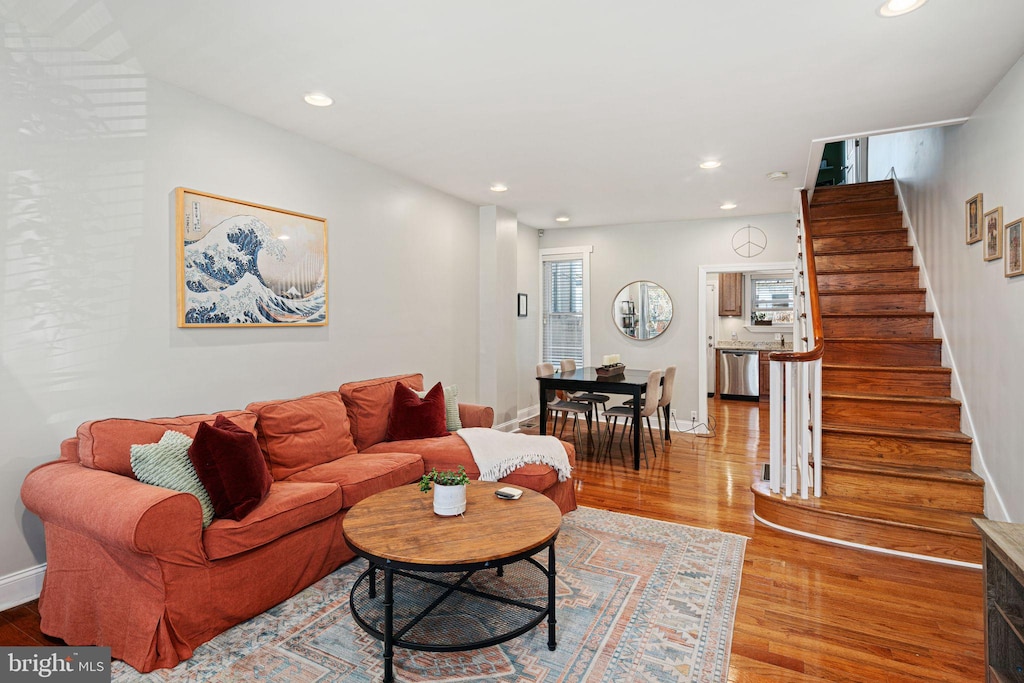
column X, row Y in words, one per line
column 1004, row 600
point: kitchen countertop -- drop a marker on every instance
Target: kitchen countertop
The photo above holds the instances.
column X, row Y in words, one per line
column 736, row 345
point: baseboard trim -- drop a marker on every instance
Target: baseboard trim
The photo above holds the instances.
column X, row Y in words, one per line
column 21, row 587
column 510, row 426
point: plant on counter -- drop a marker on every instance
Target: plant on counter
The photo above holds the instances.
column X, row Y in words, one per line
column 444, row 478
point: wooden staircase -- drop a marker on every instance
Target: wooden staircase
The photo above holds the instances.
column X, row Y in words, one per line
column 896, row 470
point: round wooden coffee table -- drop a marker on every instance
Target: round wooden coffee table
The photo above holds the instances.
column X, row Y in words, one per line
column 452, row 583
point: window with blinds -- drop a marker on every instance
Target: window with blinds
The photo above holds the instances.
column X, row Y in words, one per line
column 771, row 294
column 562, row 331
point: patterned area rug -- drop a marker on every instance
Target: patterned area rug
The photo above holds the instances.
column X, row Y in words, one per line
column 638, row 600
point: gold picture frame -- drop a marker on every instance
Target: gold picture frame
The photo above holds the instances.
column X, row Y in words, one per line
column 241, row 264
column 1014, row 263
column 992, row 229
column 973, row 210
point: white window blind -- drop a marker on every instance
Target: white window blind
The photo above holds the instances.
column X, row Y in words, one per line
column 771, row 294
column 562, row 331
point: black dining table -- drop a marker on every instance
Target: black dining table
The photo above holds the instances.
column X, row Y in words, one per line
column 631, row 383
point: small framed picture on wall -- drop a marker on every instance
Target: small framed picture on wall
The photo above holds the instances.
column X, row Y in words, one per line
column 1014, row 263
column 993, row 233
column 972, row 217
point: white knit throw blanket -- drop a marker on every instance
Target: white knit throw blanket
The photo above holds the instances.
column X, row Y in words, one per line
column 497, row 453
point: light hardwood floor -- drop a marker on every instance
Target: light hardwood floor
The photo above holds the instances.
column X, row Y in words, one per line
column 807, row 611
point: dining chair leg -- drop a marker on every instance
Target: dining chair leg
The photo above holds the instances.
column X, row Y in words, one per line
column 613, row 423
column 651, row 434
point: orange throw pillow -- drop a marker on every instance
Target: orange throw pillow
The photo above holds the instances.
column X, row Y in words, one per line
column 416, row 418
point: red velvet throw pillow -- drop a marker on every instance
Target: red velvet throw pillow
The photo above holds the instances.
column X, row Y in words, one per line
column 416, row 418
column 230, row 464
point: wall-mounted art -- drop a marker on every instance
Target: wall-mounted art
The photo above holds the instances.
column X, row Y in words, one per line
column 521, row 305
column 245, row 264
column 993, row 229
column 1014, row 263
column 972, row 218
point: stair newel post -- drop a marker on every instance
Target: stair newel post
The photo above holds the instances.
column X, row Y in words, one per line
column 775, row 425
column 791, row 411
column 804, row 427
column 816, row 426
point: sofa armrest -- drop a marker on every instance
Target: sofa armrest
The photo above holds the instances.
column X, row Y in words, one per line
column 116, row 510
column 476, row 416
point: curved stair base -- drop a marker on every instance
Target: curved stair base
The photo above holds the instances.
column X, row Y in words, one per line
column 906, row 531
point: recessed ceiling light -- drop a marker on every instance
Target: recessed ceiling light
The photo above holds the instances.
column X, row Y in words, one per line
column 562, row 219
column 318, row 99
column 896, row 8
column 777, row 175
column 711, row 163
column 499, row 187
column 728, row 206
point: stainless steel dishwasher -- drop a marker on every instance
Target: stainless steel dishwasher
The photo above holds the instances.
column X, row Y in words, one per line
column 739, row 374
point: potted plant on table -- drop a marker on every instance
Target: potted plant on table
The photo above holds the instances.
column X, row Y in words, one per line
column 449, row 490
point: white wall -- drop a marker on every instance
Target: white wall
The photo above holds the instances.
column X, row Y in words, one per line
column 981, row 310
column 528, row 328
column 497, row 322
column 90, row 159
column 669, row 254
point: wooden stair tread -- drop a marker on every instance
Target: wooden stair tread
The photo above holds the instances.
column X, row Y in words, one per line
column 861, row 216
column 880, row 314
column 868, row 271
column 855, row 233
column 888, row 340
column 905, row 516
column 890, row 368
column 936, row 474
column 872, row 250
column 920, row 434
column 850, row 188
column 872, row 291
column 935, row 400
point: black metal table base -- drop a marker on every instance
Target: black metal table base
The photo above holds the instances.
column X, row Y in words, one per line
column 454, row 608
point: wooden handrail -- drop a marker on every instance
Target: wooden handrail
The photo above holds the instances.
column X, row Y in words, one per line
column 818, row 350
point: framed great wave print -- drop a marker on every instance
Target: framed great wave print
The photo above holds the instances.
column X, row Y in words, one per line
column 242, row 264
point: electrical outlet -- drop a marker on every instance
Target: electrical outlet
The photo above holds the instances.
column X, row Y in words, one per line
column 693, row 415
column 672, row 414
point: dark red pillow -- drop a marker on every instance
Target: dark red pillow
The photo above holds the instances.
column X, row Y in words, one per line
column 230, row 464
column 416, row 418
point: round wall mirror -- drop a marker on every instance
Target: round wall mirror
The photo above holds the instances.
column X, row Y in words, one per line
column 642, row 310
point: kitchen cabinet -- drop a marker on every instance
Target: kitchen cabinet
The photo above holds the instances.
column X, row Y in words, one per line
column 764, row 376
column 730, row 294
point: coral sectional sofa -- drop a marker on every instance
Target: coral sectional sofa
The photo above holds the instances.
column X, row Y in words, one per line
column 130, row 566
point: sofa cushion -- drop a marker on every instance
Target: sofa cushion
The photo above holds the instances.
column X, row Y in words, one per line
column 106, row 444
column 302, row 432
column 230, row 464
column 453, row 421
column 448, row 452
column 369, row 406
column 413, row 417
column 288, row 506
column 166, row 463
column 364, row 474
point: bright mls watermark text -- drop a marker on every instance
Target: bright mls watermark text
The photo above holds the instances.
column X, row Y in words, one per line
column 58, row 664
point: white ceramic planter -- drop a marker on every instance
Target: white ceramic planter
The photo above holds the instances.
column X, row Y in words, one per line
column 449, row 500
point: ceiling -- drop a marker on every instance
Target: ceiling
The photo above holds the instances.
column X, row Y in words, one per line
column 599, row 109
